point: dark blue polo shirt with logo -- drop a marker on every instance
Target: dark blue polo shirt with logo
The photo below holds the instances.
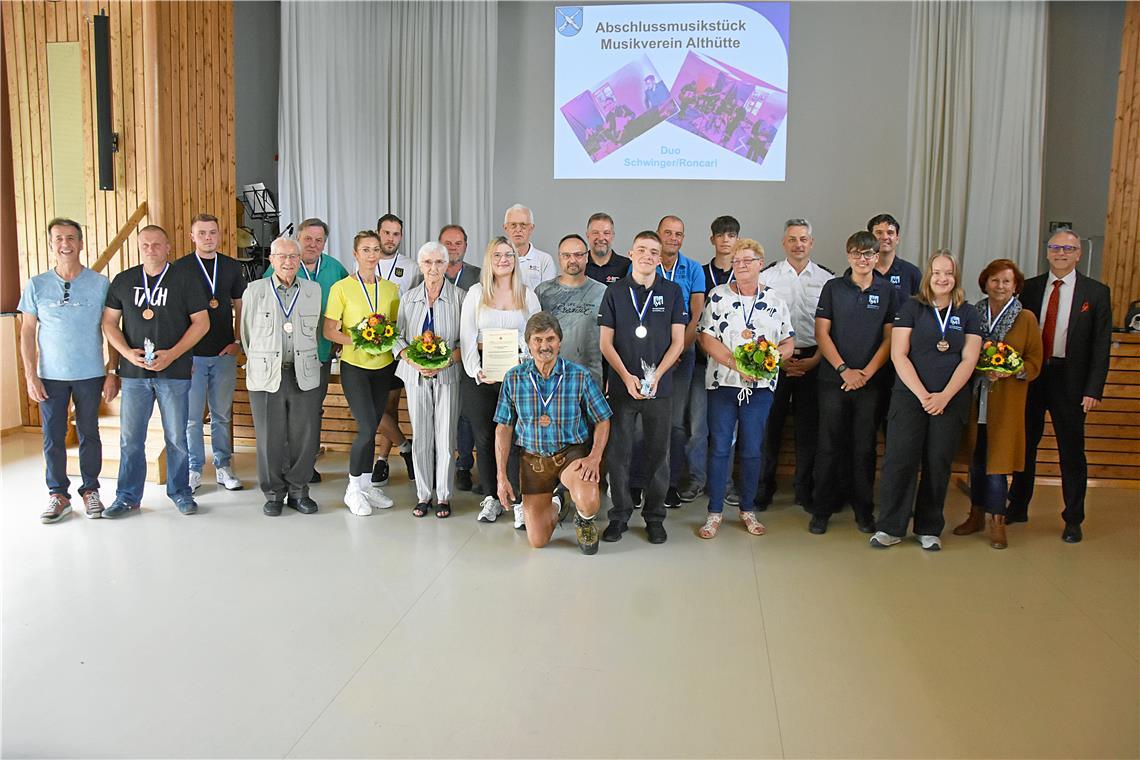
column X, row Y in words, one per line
column 857, row 318
column 934, row 367
column 666, row 308
column 906, row 277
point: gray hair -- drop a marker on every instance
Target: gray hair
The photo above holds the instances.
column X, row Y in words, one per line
column 275, row 246
column 519, row 207
column 428, row 248
column 540, row 322
column 798, row 223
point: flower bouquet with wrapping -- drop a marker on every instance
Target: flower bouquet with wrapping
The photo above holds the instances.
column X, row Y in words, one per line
column 374, row 334
column 999, row 357
column 759, row 359
column 429, row 351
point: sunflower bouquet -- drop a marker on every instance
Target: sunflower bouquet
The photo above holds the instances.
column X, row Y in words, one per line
column 374, row 334
column 999, row 357
column 759, row 359
column 429, row 351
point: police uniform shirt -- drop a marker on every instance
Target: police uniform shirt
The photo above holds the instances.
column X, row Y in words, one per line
column 666, row 308
column 857, row 317
column 935, row 367
column 400, row 271
column 800, row 291
column 906, row 277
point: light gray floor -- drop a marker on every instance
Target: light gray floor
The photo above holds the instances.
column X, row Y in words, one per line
column 230, row 634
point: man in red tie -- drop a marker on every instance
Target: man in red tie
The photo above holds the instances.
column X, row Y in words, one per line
column 1075, row 314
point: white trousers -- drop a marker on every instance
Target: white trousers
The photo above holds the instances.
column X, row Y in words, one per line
column 434, row 408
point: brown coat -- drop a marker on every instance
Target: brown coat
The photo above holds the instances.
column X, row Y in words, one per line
column 1005, row 412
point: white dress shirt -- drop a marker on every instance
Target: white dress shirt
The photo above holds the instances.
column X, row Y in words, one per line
column 800, row 291
column 1064, row 308
column 400, row 271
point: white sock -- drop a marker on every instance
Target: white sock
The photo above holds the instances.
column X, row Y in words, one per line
column 585, row 517
column 363, row 482
column 405, row 447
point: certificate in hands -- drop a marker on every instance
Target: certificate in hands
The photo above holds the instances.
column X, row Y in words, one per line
column 500, row 352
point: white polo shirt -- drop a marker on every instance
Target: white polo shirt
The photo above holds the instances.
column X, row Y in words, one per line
column 400, row 271
column 800, row 291
column 536, row 267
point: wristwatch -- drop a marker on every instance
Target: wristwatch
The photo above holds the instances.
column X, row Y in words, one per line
column 841, row 368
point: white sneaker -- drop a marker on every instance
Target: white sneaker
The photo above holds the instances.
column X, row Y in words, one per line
column 227, row 478
column 356, row 501
column 195, row 481
column 882, row 540
column 491, row 509
column 378, row 498
column 930, row 543
column 520, row 519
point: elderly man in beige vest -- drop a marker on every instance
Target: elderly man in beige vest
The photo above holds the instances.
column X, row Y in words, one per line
column 281, row 324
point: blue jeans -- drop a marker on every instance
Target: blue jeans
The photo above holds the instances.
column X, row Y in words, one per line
column 679, row 436
column 135, row 409
column 214, row 379
column 724, row 414
column 53, row 414
column 986, row 490
column 697, row 451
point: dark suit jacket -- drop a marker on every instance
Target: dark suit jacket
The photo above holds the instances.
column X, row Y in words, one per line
column 1090, row 332
column 468, row 277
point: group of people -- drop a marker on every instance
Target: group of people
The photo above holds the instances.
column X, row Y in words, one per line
column 623, row 374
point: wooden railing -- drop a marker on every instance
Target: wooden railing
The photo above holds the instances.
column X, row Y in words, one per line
column 120, row 238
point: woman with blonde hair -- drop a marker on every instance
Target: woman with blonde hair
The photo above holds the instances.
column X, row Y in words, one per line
column 934, row 346
column 499, row 300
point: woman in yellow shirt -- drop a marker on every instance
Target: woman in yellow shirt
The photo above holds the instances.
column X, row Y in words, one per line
column 364, row 377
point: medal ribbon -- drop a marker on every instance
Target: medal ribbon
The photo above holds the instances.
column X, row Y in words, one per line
column 292, row 304
column 151, row 292
column 994, row 320
column 373, row 305
column 545, row 401
column 640, row 311
column 751, row 309
column 712, row 275
column 212, row 281
column 395, row 260
column 316, row 270
column 671, row 275
column 943, row 322
column 429, row 320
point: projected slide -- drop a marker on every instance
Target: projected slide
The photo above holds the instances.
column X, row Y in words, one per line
column 671, row 91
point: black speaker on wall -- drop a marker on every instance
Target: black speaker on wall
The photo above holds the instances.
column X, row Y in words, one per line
column 106, row 139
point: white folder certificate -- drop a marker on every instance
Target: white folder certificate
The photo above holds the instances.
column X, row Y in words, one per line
column 500, row 352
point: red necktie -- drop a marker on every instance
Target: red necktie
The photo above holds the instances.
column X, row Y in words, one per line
column 1051, row 319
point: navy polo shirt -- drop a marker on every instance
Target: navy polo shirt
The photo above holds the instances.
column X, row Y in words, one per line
column 935, row 367
column 857, row 318
column 610, row 272
column 906, row 277
column 714, row 276
column 666, row 308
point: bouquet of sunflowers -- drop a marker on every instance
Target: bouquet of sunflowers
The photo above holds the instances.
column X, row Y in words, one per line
column 374, row 334
column 429, row 351
column 999, row 357
column 760, row 359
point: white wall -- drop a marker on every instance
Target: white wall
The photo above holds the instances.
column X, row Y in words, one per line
column 847, row 134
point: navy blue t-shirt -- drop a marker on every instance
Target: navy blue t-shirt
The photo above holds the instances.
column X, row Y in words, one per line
column 934, row 367
column 666, row 308
column 857, row 318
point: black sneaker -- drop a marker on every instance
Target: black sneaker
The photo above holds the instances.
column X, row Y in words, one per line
column 407, row 455
column 635, row 497
column 690, row 493
column 672, row 498
column 865, row 524
column 380, row 473
column 463, row 480
column 613, row 531
column 656, row 532
column 818, row 524
column 587, row 533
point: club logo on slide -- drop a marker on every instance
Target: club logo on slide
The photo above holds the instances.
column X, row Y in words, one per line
column 568, row 20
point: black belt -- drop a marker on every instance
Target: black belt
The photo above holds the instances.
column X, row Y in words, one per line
column 805, row 352
column 1055, row 361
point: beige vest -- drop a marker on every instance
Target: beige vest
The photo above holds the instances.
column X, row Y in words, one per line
column 263, row 335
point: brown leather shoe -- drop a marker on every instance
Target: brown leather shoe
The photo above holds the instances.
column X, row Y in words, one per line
column 975, row 522
column 997, row 532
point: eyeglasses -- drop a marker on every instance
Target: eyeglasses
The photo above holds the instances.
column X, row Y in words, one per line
column 744, row 262
column 573, row 254
column 1065, row 249
column 503, row 256
column 434, row 263
column 66, row 294
column 862, row 254
column 287, row 256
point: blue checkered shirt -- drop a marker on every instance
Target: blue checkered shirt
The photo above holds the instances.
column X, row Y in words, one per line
column 576, row 400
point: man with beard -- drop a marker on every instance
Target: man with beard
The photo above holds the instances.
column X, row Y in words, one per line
column 574, row 299
column 604, row 265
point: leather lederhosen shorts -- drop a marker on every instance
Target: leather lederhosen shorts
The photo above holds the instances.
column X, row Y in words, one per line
column 539, row 474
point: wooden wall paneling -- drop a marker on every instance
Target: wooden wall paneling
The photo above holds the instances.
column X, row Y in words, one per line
column 47, row 191
column 117, row 203
column 1122, row 227
column 34, row 23
column 90, row 247
column 13, row 53
column 126, row 113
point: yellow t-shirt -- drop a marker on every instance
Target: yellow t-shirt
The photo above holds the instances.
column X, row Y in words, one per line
column 348, row 305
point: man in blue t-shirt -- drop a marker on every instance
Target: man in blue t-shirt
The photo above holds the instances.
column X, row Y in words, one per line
column 62, row 350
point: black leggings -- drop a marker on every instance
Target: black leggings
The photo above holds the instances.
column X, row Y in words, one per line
column 367, row 393
column 478, row 405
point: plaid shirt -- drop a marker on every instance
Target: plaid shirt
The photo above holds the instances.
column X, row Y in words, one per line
column 576, row 398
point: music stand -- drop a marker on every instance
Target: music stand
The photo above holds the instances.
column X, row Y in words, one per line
column 261, row 207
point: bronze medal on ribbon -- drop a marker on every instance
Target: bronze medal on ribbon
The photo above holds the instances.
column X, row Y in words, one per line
column 148, row 313
column 213, row 303
column 943, row 346
column 544, row 420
